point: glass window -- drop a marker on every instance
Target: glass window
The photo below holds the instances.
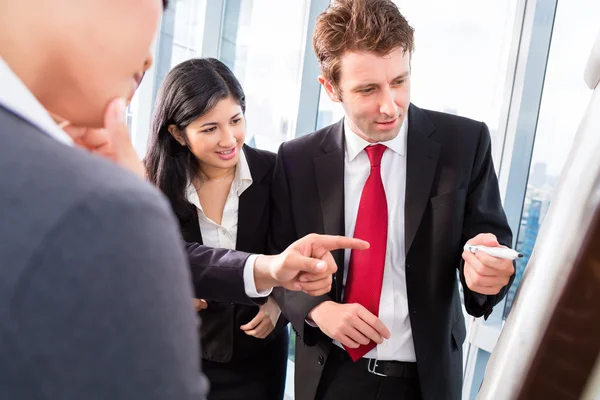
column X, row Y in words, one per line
column 179, row 38
column 263, row 43
column 564, row 101
column 460, row 62
column 188, row 30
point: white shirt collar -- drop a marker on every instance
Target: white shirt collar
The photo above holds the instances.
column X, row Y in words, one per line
column 16, row 97
column 241, row 181
column 355, row 144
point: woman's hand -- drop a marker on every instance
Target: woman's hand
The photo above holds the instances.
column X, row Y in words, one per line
column 200, row 304
column 263, row 324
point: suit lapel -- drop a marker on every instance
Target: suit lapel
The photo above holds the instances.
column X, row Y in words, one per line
column 190, row 229
column 329, row 174
column 249, row 212
column 422, row 158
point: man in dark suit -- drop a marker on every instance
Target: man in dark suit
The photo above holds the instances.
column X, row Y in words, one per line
column 417, row 185
column 95, row 293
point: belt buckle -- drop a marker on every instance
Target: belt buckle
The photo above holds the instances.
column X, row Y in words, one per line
column 372, row 366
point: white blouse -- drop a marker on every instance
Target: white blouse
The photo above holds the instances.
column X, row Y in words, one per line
column 223, row 235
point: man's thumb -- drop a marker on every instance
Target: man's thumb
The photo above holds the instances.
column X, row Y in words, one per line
column 114, row 121
column 311, row 265
column 119, row 141
column 314, row 266
column 489, row 240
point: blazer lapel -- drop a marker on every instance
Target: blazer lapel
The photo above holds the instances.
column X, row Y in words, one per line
column 329, row 174
column 190, row 229
column 249, row 212
column 422, row 158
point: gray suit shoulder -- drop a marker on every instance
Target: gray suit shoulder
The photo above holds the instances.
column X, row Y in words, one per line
column 97, row 302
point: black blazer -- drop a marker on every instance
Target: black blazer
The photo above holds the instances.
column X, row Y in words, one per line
column 218, row 274
column 221, row 337
column 451, row 195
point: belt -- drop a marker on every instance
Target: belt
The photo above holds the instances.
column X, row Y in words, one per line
column 396, row 369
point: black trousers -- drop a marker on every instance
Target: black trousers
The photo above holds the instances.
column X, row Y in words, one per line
column 344, row 379
column 260, row 377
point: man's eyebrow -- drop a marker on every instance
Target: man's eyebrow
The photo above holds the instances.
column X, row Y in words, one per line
column 364, row 85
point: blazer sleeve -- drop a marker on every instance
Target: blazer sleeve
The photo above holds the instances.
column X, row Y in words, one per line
column 218, row 274
column 104, row 310
column 295, row 306
column 484, row 214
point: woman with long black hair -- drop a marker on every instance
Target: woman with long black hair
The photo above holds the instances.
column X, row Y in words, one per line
column 219, row 189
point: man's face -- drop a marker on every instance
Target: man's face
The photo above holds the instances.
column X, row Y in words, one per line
column 101, row 50
column 374, row 91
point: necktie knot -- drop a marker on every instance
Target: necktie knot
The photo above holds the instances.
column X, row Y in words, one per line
column 375, row 153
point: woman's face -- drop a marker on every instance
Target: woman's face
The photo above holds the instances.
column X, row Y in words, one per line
column 216, row 138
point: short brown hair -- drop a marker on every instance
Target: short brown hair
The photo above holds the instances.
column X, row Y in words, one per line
column 375, row 26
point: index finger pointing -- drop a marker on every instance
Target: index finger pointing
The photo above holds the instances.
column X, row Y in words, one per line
column 331, row 242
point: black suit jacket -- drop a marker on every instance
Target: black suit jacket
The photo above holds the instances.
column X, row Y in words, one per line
column 221, row 337
column 218, row 274
column 451, row 195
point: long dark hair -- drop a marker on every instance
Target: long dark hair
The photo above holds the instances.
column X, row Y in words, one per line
column 190, row 90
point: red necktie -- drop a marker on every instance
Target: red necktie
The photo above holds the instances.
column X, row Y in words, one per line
column 365, row 272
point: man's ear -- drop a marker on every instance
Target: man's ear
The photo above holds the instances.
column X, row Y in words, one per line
column 176, row 133
column 329, row 89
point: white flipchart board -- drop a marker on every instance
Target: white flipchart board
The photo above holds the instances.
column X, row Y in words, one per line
column 568, row 219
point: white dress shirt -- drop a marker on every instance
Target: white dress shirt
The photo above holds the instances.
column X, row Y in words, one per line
column 16, row 97
column 393, row 306
column 224, row 235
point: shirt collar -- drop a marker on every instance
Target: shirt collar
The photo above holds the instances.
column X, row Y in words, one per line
column 16, row 97
column 355, row 144
column 241, row 181
column 243, row 175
